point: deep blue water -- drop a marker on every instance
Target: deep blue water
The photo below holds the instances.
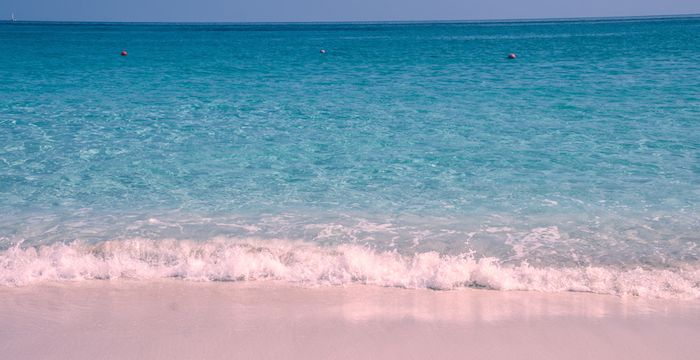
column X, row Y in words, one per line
column 418, row 137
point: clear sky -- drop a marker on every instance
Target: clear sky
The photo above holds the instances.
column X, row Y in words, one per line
column 334, row 10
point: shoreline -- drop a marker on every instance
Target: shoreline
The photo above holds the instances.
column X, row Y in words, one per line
column 173, row 319
column 313, row 264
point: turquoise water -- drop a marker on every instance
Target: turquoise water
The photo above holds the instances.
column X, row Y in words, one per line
column 402, row 140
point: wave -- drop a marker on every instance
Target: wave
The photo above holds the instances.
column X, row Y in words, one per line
column 308, row 264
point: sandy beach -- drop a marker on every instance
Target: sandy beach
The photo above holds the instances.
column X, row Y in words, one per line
column 389, row 180
column 190, row 320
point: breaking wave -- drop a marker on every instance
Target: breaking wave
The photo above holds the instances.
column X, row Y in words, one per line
column 307, row 264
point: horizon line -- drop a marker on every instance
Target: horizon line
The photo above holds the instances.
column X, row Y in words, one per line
column 494, row 20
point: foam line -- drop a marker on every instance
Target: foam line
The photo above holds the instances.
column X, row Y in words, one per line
column 302, row 263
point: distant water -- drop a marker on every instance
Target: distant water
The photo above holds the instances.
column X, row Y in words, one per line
column 411, row 154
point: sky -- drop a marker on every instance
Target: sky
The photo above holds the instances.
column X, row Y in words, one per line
column 333, row 10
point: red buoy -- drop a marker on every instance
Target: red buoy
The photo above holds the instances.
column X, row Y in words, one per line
column 124, row 53
column 511, row 56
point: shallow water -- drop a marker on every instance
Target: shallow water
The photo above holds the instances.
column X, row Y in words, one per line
column 402, row 139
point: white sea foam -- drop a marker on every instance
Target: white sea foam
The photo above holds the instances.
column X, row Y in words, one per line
column 302, row 263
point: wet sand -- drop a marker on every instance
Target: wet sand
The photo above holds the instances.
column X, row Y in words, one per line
column 265, row 320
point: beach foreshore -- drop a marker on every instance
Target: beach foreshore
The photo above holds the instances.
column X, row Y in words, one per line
column 267, row 320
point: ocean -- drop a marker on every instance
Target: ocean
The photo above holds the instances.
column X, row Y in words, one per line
column 408, row 154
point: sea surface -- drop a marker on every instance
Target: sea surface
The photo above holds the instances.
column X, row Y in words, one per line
column 408, row 154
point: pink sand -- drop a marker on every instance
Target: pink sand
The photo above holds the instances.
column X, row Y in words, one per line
column 262, row 320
